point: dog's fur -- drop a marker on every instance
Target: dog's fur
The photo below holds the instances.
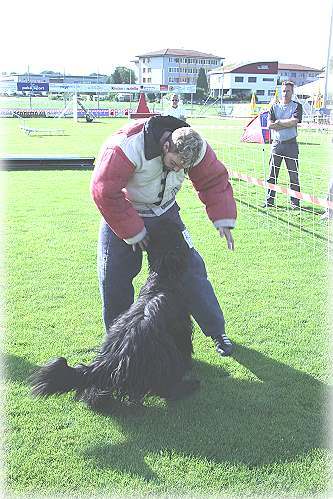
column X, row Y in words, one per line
column 148, row 348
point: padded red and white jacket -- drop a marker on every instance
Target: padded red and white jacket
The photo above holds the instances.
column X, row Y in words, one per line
column 129, row 181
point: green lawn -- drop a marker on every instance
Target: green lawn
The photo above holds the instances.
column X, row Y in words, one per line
column 258, row 425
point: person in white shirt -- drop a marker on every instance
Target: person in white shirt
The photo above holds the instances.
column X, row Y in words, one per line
column 176, row 108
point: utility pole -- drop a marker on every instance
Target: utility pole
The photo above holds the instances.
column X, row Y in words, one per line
column 222, row 83
column 98, row 89
column 328, row 76
column 29, row 86
column 64, row 94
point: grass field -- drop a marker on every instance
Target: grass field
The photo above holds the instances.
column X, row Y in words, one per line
column 259, row 424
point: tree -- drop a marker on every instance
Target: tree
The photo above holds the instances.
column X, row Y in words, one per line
column 122, row 75
column 202, row 84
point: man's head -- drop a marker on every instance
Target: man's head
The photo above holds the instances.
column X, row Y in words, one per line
column 180, row 149
column 287, row 91
column 175, row 100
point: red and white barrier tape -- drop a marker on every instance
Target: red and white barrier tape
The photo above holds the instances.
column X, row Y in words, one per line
column 284, row 190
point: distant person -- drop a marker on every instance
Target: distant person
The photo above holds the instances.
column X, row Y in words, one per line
column 283, row 119
column 176, row 110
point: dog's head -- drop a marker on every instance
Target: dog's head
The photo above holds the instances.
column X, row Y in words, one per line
column 167, row 251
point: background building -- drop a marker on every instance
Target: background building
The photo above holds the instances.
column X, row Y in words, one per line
column 53, row 78
column 168, row 66
column 300, row 75
column 238, row 82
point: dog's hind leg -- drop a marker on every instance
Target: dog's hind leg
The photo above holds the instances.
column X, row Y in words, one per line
column 96, row 398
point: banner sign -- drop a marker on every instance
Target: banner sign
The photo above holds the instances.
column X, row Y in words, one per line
column 72, row 88
column 54, row 113
column 119, row 88
column 24, row 86
column 183, row 89
column 94, row 88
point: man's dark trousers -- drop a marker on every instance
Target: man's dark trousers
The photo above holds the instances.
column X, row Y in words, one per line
column 289, row 152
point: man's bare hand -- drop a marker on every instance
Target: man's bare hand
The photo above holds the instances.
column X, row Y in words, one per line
column 225, row 232
column 143, row 244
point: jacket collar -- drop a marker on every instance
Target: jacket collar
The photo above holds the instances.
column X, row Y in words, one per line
column 153, row 130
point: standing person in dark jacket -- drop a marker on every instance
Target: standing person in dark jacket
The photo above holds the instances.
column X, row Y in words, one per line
column 137, row 175
column 282, row 120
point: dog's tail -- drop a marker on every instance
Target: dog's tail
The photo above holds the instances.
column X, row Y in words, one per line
column 57, row 377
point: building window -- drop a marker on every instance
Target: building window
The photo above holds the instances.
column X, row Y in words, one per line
column 293, row 75
column 144, row 80
column 260, row 92
column 252, row 79
column 271, row 92
column 149, row 80
column 143, row 70
column 149, row 70
column 268, row 79
column 239, row 79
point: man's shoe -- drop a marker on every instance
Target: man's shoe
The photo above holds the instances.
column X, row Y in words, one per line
column 223, row 345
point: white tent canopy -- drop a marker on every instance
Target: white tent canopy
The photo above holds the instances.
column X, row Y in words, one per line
column 311, row 89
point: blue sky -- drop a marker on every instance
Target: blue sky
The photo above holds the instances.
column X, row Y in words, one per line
column 70, row 36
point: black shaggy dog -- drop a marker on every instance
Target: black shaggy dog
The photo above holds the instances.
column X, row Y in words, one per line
column 148, row 348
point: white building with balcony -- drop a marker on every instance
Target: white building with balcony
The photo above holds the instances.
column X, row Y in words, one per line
column 174, row 66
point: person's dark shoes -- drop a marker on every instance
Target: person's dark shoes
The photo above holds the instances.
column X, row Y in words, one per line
column 294, row 206
column 267, row 204
column 224, row 346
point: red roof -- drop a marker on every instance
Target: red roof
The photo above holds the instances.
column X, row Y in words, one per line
column 260, row 67
column 297, row 67
column 178, row 52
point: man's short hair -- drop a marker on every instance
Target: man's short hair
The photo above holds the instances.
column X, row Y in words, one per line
column 288, row 82
column 188, row 144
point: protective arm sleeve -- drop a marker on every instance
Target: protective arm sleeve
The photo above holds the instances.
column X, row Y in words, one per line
column 110, row 177
column 210, row 178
